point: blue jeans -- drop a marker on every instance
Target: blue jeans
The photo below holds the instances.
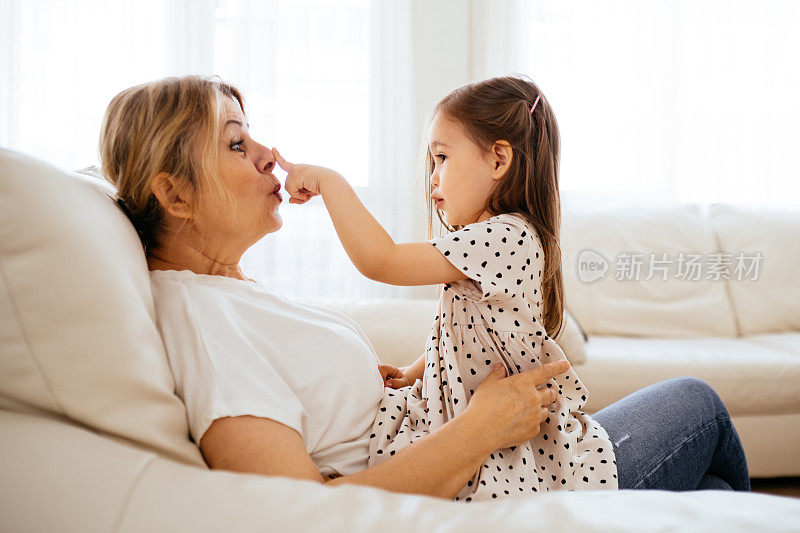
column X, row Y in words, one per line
column 675, row 435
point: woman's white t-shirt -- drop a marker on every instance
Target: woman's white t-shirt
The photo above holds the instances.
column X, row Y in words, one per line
column 236, row 349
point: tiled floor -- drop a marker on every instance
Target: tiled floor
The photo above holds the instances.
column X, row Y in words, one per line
column 782, row 486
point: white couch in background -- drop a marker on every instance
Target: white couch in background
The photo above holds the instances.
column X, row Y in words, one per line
column 93, row 438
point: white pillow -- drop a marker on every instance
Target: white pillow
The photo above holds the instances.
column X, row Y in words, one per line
column 78, row 322
column 606, row 303
column 572, row 339
column 767, row 299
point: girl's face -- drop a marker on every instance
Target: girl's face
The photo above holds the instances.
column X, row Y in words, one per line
column 463, row 174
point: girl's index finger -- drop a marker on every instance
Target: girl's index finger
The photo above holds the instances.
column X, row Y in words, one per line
column 284, row 164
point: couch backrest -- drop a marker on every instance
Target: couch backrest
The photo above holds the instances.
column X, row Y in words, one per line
column 762, row 248
column 77, row 321
column 398, row 328
column 601, row 249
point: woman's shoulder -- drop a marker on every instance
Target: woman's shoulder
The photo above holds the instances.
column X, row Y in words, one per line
column 177, row 290
column 187, row 280
column 207, row 291
column 189, row 276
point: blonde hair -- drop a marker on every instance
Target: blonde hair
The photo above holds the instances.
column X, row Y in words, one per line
column 169, row 125
column 500, row 109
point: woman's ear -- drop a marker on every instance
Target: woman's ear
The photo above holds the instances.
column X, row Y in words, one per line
column 502, row 154
column 173, row 197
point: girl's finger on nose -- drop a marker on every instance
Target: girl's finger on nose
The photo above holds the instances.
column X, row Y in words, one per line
column 285, row 165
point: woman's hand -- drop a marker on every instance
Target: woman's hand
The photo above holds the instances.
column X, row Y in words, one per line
column 511, row 409
column 303, row 182
column 393, row 377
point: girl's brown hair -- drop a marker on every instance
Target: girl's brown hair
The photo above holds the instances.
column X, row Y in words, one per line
column 499, row 109
column 170, row 125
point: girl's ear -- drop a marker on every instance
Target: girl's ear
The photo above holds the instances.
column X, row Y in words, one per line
column 502, row 154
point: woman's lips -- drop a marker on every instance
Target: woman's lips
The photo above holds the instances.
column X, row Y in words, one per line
column 277, row 192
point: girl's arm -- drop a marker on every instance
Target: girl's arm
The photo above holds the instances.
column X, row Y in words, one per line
column 370, row 248
column 415, row 370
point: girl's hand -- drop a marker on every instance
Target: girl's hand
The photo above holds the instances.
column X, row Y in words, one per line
column 303, row 182
column 392, row 376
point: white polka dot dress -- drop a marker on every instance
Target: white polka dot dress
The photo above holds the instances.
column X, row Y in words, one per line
column 496, row 316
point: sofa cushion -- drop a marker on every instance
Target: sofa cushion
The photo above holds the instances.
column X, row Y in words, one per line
column 757, row 375
column 765, row 289
column 398, row 328
column 87, row 484
column 77, row 321
column 572, row 339
column 600, row 251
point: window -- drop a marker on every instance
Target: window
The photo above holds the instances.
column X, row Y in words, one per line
column 303, row 66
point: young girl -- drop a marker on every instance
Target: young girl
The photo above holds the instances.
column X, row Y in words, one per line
column 492, row 176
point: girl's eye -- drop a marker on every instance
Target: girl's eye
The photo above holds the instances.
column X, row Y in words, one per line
column 442, row 156
column 237, row 146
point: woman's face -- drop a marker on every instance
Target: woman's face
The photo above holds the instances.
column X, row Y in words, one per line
column 462, row 175
column 245, row 167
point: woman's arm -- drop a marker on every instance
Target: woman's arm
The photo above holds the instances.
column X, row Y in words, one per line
column 502, row 413
column 438, row 464
column 373, row 251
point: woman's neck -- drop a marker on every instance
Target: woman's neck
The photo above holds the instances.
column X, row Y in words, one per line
column 157, row 260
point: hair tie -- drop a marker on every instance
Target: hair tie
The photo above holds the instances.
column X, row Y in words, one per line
column 535, row 102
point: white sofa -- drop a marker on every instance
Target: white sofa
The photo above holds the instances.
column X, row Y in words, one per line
column 92, row 437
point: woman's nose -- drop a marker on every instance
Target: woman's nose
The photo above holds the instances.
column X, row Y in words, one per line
column 266, row 159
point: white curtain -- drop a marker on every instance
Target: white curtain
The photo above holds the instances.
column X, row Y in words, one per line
column 303, row 66
column 61, row 64
column 659, row 101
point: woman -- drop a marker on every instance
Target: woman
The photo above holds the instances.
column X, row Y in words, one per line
column 276, row 387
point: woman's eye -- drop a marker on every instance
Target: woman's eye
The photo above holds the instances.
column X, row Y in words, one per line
column 237, row 146
column 442, row 157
